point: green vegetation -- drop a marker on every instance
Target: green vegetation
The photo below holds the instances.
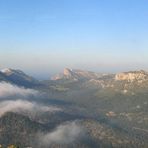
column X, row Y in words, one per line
column 113, row 113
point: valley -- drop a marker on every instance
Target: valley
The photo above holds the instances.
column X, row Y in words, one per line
column 76, row 108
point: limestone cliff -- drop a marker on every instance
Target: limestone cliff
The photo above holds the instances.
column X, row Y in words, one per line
column 132, row 76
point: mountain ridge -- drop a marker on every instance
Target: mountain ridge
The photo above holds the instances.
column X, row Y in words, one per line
column 17, row 77
column 77, row 74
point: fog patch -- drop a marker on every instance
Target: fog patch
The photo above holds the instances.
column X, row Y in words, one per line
column 25, row 107
column 8, row 90
column 63, row 134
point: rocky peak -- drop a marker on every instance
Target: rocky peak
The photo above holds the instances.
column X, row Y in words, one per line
column 7, row 71
column 76, row 74
column 67, row 72
column 132, row 76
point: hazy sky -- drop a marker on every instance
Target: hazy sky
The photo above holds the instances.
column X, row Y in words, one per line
column 42, row 37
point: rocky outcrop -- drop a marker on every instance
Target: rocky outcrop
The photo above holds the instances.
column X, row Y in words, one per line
column 67, row 72
column 132, row 76
column 75, row 74
column 7, row 71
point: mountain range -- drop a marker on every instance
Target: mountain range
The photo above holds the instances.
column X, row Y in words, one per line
column 20, row 78
column 105, row 110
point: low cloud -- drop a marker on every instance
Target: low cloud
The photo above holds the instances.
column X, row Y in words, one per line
column 63, row 134
column 8, row 90
column 25, row 107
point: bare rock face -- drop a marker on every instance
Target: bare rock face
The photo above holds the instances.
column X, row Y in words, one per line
column 67, row 72
column 76, row 74
column 132, row 76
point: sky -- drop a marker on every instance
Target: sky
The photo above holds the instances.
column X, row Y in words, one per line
column 41, row 37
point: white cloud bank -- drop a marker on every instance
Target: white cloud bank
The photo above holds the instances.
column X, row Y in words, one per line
column 10, row 93
column 26, row 107
column 9, row 90
column 63, row 134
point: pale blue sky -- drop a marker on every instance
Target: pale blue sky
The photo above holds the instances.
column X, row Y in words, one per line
column 42, row 37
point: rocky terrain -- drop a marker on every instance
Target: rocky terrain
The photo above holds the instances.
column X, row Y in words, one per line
column 75, row 74
column 74, row 109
